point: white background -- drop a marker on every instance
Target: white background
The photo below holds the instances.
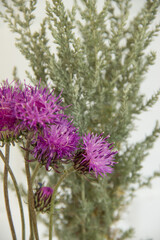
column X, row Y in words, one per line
column 144, row 212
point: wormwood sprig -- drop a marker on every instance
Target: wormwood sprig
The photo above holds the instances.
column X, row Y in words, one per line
column 97, row 55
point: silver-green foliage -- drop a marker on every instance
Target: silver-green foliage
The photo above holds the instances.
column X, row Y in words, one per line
column 99, row 60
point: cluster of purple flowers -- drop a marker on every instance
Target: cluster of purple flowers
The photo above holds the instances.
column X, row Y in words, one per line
column 55, row 139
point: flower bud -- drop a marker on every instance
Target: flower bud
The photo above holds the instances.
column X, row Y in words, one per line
column 42, row 199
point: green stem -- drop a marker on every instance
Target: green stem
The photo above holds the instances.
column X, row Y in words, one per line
column 83, row 201
column 18, row 194
column 37, row 167
column 66, row 173
column 6, row 196
column 32, row 214
column 30, row 203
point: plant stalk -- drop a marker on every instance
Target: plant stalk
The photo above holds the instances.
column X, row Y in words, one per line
column 66, row 173
column 18, row 194
column 32, row 214
column 6, row 196
column 37, row 167
column 83, row 201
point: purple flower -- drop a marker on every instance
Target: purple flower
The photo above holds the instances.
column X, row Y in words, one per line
column 57, row 142
column 39, row 108
column 42, row 199
column 96, row 155
column 10, row 96
column 7, row 116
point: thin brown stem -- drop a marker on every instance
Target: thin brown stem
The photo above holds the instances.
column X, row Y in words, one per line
column 17, row 192
column 83, row 201
column 66, row 173
column 32, row 214
column 6, row 196
column 37, row 167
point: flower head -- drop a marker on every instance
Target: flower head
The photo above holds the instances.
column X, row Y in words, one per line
column 96, row 155
column 42, row 199
column 39, row 108
column 57, row 142
column 10, row 96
